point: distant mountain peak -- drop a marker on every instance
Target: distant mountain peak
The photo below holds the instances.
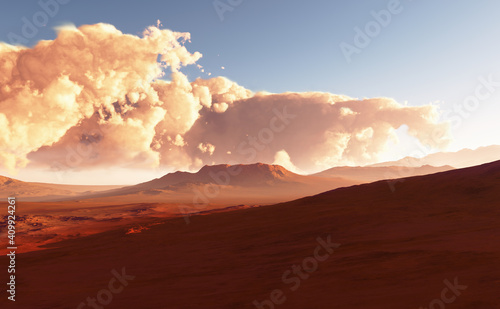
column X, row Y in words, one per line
column 274, row 170
column 463, row 158
column 255, row 174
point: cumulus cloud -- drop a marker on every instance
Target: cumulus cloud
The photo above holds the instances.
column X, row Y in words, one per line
column 282, row 158
column 206, row 147
column 314, row 130
column 93, row 97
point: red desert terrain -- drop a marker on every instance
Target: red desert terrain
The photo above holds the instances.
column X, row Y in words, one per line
column 53, row 212
column 426, row 241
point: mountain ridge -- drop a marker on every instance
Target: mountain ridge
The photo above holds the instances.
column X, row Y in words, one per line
column 462, row 158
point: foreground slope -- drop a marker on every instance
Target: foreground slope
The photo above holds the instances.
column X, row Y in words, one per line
column 398, row 249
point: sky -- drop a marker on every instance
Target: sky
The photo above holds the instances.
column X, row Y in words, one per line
column 442, row 53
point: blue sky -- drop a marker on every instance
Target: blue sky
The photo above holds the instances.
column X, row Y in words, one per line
column 432, row 51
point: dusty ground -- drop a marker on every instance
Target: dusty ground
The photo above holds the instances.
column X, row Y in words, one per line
column 396, row 250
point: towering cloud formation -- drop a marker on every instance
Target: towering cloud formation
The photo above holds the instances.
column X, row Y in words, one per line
column 92, row 98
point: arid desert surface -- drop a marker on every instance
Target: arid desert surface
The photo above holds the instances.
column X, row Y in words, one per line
column 387, row 244
column 233, row 154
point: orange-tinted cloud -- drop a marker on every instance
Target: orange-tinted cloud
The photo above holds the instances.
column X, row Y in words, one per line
column 91, row 98
column 314, row 130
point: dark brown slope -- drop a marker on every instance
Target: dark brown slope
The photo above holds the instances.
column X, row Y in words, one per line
column 397, row 248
